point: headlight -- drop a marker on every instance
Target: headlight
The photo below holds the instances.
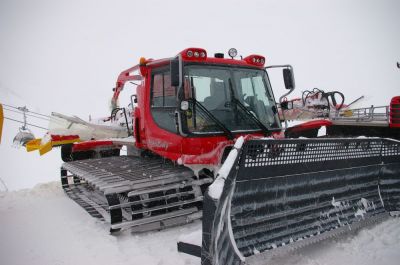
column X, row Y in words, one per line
column 232, row 52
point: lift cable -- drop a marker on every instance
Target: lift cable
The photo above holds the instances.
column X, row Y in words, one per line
column 46, row 118
column 33, row 125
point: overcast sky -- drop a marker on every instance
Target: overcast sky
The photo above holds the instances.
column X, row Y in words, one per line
column 65, row 56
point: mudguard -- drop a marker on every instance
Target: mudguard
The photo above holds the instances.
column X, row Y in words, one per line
column 284, row 192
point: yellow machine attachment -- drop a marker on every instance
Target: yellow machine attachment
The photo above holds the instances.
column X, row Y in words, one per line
column 46, row 145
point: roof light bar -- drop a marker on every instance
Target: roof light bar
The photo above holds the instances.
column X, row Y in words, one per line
column 255, row 60
column 194, row 54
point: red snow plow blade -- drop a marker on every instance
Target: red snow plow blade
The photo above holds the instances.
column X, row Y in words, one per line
column 283, row 194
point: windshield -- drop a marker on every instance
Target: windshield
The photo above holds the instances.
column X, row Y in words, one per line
column 231, row 95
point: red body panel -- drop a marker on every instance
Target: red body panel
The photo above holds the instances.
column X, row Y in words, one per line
column 55, row 137
column 90, row 145
column 395, row 112
column 316, row 124
column 205, row 150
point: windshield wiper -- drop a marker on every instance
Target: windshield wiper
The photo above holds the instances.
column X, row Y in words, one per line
column 246, row 111
column 228, row 133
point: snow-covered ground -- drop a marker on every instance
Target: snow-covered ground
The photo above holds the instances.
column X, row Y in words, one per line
column 42, row 226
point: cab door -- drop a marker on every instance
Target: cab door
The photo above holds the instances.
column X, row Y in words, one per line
column 161, row 130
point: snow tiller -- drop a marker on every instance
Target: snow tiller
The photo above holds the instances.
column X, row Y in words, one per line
column 181, row 126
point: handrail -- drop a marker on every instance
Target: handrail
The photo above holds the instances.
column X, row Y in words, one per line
column 380, row 113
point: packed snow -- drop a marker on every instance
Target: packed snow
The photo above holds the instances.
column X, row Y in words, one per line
column 42, row 226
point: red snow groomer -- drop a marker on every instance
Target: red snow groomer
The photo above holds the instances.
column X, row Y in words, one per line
column 206, row 140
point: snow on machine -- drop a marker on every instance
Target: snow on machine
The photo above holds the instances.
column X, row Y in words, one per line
column 204, row 137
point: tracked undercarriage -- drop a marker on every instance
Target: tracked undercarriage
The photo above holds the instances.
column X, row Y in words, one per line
column 142, row 193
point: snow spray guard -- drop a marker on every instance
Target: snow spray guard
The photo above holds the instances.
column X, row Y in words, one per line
column 298, row 191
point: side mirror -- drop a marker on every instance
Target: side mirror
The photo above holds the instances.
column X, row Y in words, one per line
column 288, row 77
column 175, row 72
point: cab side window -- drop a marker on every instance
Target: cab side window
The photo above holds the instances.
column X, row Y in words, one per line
column 157, row 91
column 163, row 101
